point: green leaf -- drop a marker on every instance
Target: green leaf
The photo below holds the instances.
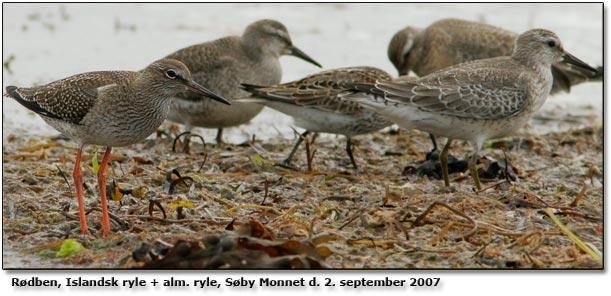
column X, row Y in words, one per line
column 94, row 160
column 68, row 248
column 259, row 160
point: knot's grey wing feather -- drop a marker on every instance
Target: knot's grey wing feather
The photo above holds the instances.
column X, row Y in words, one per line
column 481, row 94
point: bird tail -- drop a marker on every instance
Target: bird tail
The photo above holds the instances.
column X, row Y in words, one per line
column 256, row 95
column 252, row 88
column 262, row 95
column 11, row 92
column 598, row 75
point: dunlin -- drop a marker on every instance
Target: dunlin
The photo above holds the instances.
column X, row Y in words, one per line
column 476, row 100
column 222, row 65
column 315, row 103
column 450, row 42
column 109, row 108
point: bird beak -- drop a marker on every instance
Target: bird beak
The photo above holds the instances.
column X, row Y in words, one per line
column 193, row 86
column 294, row 51
column 571, row 59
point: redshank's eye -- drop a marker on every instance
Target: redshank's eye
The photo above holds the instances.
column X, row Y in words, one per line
column 551, row 43
column 170, row 74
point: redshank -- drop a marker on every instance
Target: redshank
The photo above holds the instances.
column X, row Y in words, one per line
column 109, row 108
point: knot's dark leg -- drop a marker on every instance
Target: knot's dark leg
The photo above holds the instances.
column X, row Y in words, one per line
column 434, row 141
column 219, row 137
column 473, row 168
column 287, row 162
column 349, row 151
column 443, row 158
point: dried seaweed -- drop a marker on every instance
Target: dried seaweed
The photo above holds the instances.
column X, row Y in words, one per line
column 249, row 247
column 374, row 217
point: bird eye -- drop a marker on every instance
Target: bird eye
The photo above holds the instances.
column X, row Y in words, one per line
column 170, row 74
column 551, row 43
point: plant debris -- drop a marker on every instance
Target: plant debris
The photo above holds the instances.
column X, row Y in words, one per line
column 248, row 248
column 230, row 207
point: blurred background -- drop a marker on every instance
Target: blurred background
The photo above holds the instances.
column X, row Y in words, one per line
column 44, row 42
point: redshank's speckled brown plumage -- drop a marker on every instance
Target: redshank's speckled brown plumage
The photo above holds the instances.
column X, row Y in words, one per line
column 450, row 42
column 315, row 103
column 223, row 64
column 108, row 108
column 477, row 100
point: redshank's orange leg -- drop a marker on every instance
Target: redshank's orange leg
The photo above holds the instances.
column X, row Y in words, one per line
column 102, row 187
column 78, row 182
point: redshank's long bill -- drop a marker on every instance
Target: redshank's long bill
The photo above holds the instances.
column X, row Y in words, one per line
column 109, row 108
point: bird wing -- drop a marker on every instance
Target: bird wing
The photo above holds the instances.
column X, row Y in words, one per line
column 323, row 90
column 450, row 42
column 69, row 99
column 468, row 41
column 484, row 93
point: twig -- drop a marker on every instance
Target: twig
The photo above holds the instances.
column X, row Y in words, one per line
column 289, row 211
column 572, row 236
column 536, row 236
column 64, row 176
column 400, row 226
column 253, row 207
column 534, row 261
column 309, row 155
column 507, row 166
column 372, row 242
column 465, row 235
column 117, row 219
column 266, row 184
column 493, row 185
column 389, row 196
column 530, row 193
column 442, row 233
column 356, row 215
column 480, row 251
column 580, row 195
column 152, row 204
column 311, row 228
column 171, row 221
column 203, row 162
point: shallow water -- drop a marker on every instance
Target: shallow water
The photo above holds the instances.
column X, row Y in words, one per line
column 44, row 42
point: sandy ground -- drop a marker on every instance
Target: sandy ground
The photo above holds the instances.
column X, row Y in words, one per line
column 368, row 218
column 373, row 217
